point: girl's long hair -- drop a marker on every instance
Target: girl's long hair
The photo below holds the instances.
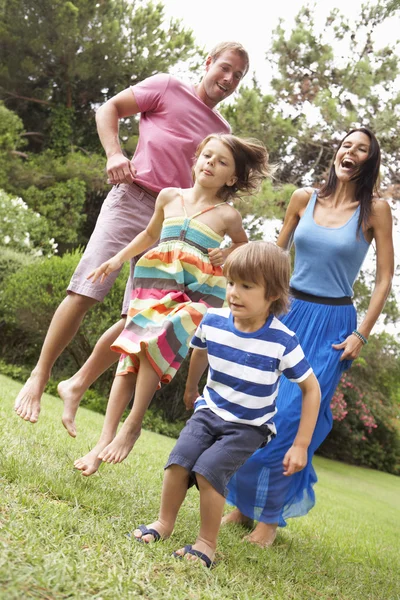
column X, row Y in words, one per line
column 366, row 177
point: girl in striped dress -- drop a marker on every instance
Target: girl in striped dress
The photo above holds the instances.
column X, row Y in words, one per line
column 175, row 282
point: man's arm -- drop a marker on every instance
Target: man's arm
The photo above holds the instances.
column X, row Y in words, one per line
column 197, row 366
column 119, row 168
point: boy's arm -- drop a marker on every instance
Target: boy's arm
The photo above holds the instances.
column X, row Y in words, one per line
column 197, row 366
column 296, row 457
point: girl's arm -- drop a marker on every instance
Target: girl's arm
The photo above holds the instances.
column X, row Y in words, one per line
column 381, row 224
column 234, row 229
column 296, row 457
column 197, row 366
column 144, row 240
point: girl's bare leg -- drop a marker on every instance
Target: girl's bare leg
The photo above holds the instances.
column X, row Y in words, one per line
column 235, row 517
column 120, row 396
column 146, row 386
column 175, row 486
column 211, row 509
column 264, row 534
column 72, row 390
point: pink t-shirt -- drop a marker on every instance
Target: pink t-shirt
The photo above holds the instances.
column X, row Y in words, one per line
column 173, row 121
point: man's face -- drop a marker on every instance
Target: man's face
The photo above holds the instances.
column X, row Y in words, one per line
column 222, row 77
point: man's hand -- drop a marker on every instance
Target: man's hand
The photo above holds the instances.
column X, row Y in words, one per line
column 120, row 169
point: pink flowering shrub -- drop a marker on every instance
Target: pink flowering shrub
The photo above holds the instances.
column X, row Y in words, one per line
column 366, row 409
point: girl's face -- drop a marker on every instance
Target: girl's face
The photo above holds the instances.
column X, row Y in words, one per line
column 351, row 155
column 215, row 166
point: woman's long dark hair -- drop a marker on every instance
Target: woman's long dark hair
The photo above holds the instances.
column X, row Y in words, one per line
column 366, row 178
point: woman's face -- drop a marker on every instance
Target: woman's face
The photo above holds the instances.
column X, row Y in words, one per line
column 351, row 155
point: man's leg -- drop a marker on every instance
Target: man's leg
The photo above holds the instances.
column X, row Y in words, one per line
column 72, row 390
column 120, row 396
column 175, row 486
column 63, row 327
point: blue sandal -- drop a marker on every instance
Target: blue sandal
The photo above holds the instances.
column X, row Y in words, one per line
column 190, row 550
column 145, row 531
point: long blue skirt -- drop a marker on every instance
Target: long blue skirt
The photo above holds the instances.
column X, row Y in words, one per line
column 259, row 489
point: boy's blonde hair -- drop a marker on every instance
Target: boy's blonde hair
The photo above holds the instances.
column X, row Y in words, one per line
column 263, row 263
column 251, row 164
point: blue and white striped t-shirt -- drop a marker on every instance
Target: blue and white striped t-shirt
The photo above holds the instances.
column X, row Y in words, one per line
column 245, row 368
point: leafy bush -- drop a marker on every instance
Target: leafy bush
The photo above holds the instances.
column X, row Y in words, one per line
column 365, row 409
column 23, row 229
column 12, row 260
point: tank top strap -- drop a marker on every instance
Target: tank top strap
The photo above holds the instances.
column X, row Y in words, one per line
column 311, row 203
column 201, row 212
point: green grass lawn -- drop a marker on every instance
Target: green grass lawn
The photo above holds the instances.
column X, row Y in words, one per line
column 63, row 536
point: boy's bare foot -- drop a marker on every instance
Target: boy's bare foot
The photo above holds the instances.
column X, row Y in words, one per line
column 27, row 403
column 200, row 546
column 237, row 518
column 71, row 398
column 90, row 463
column 121, row 445
column 264, row 534
column 162, row 528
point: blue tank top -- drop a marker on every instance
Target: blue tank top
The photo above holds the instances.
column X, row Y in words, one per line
column 327, row 259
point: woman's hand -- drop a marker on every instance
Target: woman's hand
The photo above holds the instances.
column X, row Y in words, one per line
column 190, row 397
column 105, row 269
column 216, row 256
column 351, row 347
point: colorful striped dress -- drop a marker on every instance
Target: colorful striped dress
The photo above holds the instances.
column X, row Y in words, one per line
column 173, row 285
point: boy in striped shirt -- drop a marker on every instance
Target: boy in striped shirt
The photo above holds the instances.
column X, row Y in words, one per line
column 246, row 349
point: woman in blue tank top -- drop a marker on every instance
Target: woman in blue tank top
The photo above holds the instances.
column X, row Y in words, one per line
column 332, row 229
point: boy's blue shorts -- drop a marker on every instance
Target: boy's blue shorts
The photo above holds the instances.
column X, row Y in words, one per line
column 216, row 448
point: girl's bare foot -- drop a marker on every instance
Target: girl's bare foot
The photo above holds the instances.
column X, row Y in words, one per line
column 162, row 528
column 264, row 534
column 123, row 443
column 237, row 518
column 200, row 546
column 71, row 397
column 90, row 463
column 27, row 403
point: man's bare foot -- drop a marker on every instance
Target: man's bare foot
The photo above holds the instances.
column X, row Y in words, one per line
column 237, row 518
column 27, row 403
column 90, row 463
column 264, row 534
column 162, row 528
column 71, row 398
column 121, row 445
column 200, row 546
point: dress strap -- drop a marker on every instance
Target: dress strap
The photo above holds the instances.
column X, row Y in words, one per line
column 182, row 202
column 201, row 212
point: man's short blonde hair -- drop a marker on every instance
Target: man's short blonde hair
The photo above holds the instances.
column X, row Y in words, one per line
column 233, row 47
column 263, row 263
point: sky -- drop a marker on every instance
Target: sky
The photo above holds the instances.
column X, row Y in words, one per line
column 251, row 22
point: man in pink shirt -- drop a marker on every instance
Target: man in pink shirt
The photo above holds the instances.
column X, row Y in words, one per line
column 175, row 118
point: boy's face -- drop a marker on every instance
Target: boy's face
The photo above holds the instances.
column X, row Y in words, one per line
column 247, row 301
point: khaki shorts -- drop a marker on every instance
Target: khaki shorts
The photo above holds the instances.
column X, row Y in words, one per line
column 126, row 212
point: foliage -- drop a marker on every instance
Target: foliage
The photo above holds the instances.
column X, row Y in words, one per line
column 54, row 74
column 366, row 408
column 23, row 229
column 11, row 261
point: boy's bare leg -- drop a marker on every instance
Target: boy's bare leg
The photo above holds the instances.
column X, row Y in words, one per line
column 263, row 535
column 211, row 509
column 120, row 396
column 235, row 517
column 63, row 327
column 71, row 390
column 146, row 386
column 175, row 486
